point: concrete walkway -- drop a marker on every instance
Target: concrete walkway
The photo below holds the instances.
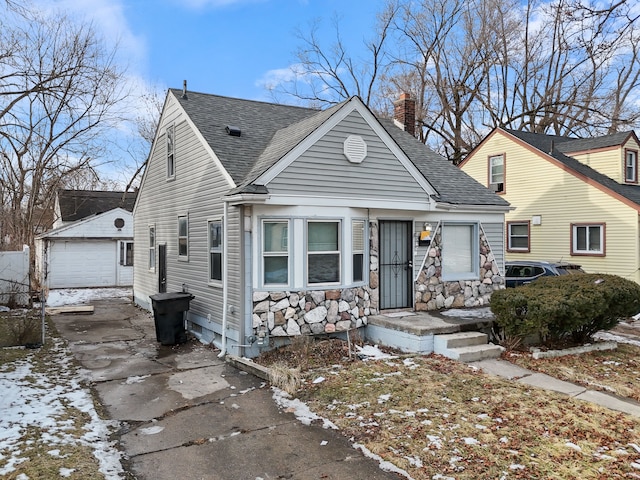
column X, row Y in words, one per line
column 508, row 370
column 185, row 413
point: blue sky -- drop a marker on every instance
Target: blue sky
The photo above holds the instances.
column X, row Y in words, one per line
column 226, row 47
column 223, row 47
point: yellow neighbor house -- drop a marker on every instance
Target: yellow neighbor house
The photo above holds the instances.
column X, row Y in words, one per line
column 574, row 200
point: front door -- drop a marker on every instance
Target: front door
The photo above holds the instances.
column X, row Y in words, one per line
column 162, row 268
column 396, row 265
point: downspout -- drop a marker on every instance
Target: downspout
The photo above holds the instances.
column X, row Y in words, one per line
column 225, row 286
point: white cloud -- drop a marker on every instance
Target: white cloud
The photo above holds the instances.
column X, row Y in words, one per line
column 109, row 20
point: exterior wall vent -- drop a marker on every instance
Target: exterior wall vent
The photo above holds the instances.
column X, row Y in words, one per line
column 233, row 131
column 355, row 149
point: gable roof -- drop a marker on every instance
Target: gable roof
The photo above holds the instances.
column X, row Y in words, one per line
column 270, row 131
column 70, row 227
column 553, row 146
column 78, row 204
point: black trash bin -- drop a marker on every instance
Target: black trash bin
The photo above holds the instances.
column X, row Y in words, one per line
column 168, row 315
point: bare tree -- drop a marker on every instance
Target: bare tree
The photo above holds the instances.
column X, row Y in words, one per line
column 566, row 67
column 59, row 93
column 146, row 121
column 326, row 76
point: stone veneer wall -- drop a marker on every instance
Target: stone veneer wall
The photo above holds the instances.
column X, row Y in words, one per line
column 432, row 293
column 311, row 312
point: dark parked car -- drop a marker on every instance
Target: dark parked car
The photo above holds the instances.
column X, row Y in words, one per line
column 523, row 272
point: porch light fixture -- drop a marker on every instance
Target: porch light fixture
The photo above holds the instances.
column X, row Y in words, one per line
column 425, row 235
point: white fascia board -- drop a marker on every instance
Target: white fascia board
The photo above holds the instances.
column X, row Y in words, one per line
column 201, row 139
column 473, row 208
column 349, row 201
column 353, row 104
column 65, row 228
column 152, row 150
column 208, row 148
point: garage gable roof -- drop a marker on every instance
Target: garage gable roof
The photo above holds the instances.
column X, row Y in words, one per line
column 78, row 204
column 66, row 231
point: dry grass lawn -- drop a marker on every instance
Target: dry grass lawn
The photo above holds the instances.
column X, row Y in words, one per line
column 439, row 419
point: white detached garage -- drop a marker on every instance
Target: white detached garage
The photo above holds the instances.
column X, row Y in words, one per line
column 96, row 251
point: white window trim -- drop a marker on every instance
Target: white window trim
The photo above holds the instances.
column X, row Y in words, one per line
column 122, row 253
column 264, row 254
column 152, row 248
column 634, row 154
column 340, row 223
column 491, row 173
column 354, row 251
column 473, row 274
column 220, row 249
column 171, row 154
column 181, row 257
column 588, row 226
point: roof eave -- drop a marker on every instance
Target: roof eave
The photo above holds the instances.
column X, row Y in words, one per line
column 246, row 198
column 479, row 208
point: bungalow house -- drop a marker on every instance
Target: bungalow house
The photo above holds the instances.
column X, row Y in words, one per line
column 284, row 221
column 91, row 243
column 575, row 200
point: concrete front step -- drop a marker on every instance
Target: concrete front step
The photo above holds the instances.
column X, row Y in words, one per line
column 457, row 340
column 473, row 353
column 466, row 346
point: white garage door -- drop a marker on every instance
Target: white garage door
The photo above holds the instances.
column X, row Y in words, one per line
column 76, row 264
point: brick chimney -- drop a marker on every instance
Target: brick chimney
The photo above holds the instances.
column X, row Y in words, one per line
column 404, row 113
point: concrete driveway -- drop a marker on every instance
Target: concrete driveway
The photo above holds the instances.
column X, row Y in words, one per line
column 185, row 413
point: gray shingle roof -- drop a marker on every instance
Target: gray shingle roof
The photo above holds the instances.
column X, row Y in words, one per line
column 269, row 131
column 79, row 204
column 452, row 184
column 543, row 143
column 259, row 121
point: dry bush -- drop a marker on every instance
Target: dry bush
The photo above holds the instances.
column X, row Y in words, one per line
column 285, row 378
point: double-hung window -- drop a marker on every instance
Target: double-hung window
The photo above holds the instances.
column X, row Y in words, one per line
column 631, row 166
column 460, row 251
column 496, row 173
column 323, row 252
column 183, row 236
column 358, row 232
column 275, row 252
column 126, row 253
column 215, row 250
column 152, row 247
column 171, row 160
column 587, row 239
column 518, row 236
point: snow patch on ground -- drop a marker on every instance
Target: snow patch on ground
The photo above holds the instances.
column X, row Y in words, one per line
column 611, row 337
column 77, row 296
column 483, row 312
column 31, row 400
column 299, row 409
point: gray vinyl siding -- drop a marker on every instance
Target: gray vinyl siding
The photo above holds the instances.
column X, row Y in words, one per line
column 324, row 171
column 195, row 191
column 495, row 236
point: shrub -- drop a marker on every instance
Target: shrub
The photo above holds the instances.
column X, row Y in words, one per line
column 568, row 307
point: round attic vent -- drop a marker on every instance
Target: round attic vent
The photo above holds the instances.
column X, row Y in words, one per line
column 119, row 222
column 355, row 149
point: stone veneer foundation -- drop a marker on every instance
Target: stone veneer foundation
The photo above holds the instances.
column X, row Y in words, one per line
column 311, row 312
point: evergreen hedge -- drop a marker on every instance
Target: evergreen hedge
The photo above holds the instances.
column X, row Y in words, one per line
column 566, row 307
